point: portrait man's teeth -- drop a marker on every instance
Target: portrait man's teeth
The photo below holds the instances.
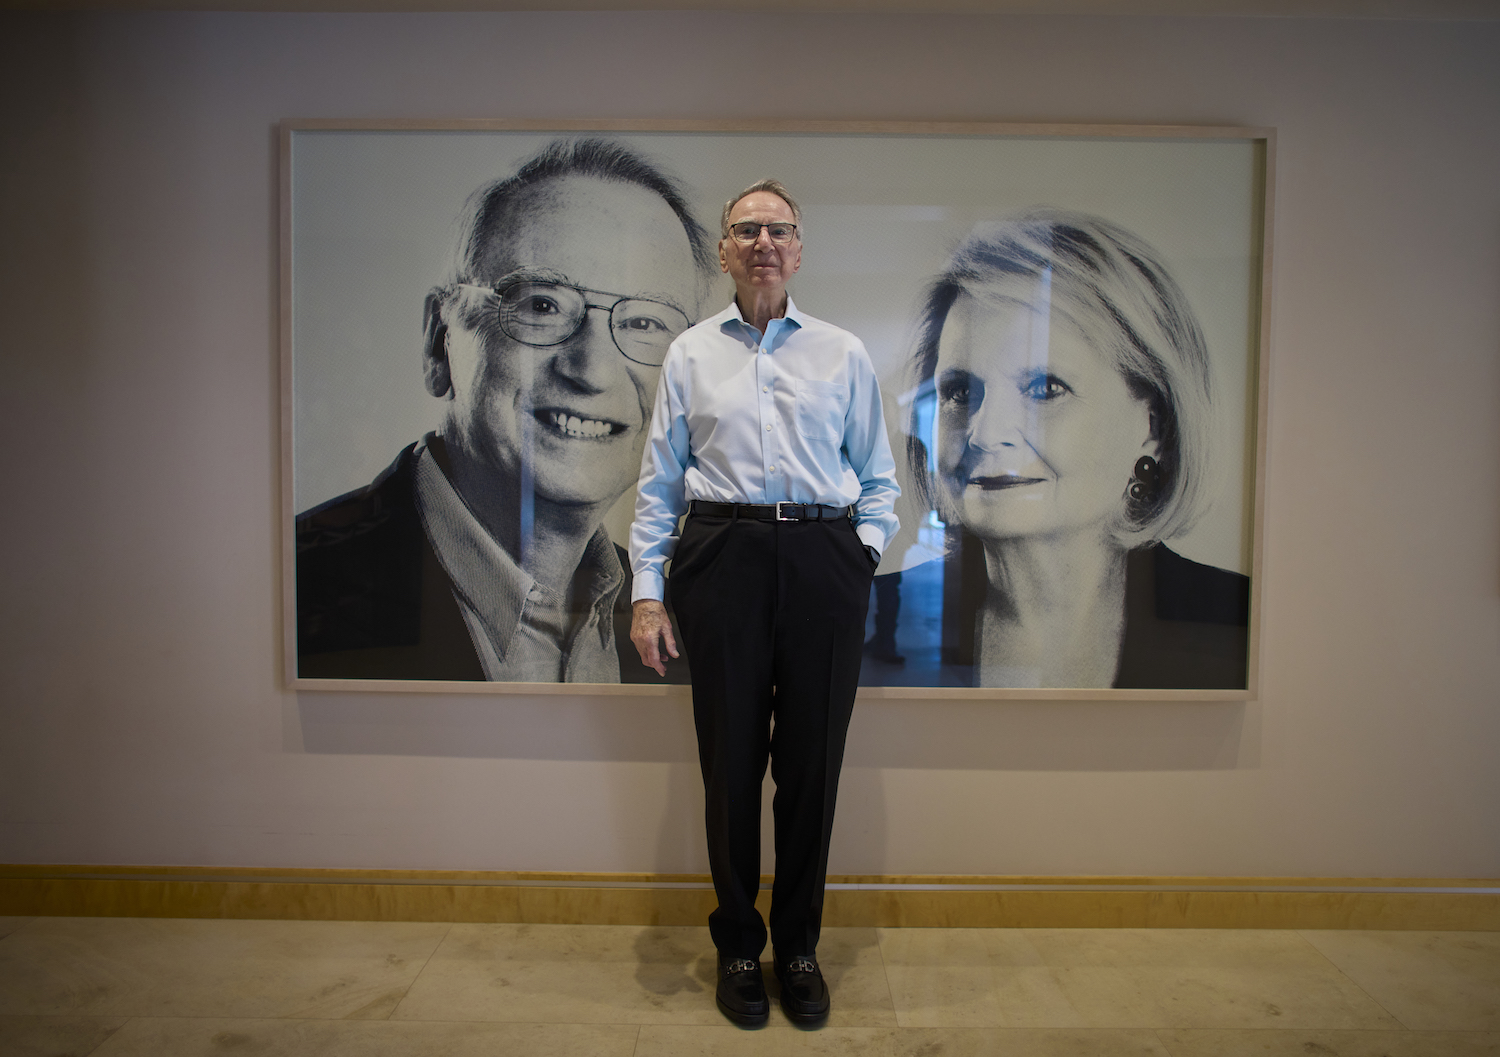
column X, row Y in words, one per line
column 580, row 427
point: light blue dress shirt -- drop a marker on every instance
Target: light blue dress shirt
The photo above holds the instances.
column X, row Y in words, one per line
column 793, row 415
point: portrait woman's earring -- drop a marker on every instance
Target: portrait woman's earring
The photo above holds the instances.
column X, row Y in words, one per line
column 1145, row 486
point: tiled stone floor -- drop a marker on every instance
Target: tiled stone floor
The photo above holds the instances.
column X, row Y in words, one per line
column 113, row 987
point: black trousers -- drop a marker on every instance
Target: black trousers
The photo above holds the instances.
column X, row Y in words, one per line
column 773, row 616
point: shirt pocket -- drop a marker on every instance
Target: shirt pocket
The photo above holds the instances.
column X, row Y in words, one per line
column 820, row 410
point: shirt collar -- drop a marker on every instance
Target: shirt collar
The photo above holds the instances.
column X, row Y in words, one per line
column 733, row 316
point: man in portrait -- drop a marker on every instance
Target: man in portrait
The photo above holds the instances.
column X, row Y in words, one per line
column 480, row 552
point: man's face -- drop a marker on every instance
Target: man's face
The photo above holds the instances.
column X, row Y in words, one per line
column 576, row 412
column 762, row 266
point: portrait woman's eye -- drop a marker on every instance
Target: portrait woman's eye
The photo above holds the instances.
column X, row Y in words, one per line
column 1045, row 387
column 957, row 390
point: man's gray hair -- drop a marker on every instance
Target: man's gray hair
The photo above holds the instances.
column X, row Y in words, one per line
column 775, row 187
column 489, row 208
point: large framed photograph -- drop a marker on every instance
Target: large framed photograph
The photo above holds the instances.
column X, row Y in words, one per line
column 1068, row 325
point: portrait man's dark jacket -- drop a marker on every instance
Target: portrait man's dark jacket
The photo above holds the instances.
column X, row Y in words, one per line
column 373, row 601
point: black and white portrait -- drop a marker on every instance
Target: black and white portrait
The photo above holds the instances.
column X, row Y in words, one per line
column 1066, row 331
column 480, row 552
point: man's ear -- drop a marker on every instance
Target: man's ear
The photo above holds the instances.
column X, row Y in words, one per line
column 435, row 369
column 723, row 258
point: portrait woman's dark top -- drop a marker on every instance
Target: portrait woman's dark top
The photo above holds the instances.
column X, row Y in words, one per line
column 1186, row 624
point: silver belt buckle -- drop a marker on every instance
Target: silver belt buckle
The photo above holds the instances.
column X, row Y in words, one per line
column 781, row 503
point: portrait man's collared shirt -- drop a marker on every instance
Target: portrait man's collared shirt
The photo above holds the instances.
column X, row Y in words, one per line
column 792, row 415
column 521, row 631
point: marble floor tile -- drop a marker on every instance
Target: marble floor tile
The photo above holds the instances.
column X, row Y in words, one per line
column 973, row 978
column 1197, row 978
column 162, row 1037
column 773, row 1040
column 1312, row 1043
column 12, row 924
column 776, row 1041
column 584, row 974
column 177, row 967
column 1029, row 1042
column 958, row 947
column 621, row 974
column 55, row 1036
column 1270, row 949
column 74, row 987
column 1432, row 981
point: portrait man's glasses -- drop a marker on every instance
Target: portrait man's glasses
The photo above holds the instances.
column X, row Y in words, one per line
column 542, row 314
column 747, row 231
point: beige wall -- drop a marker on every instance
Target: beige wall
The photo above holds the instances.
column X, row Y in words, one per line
column 142, row 722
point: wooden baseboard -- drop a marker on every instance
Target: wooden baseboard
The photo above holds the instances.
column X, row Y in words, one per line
column 667, row 899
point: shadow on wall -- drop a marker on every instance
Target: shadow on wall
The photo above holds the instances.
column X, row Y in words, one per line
column 653, row 730
column 680, row 845
column 929, row 735
column 1054, row 735
column 861, row 827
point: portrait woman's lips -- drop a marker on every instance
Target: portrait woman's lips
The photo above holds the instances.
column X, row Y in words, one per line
column 574, row 426
column 1005, row 480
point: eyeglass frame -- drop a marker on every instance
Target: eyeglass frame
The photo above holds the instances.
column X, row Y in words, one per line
column 505, row 283
column 759, row 227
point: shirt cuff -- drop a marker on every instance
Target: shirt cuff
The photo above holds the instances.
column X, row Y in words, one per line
column 647, row 585
column 871, row 536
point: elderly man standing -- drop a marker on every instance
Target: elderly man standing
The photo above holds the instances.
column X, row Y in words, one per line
column 480, row 553
column 768, row 434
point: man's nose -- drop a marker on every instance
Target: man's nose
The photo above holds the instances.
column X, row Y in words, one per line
column 763, row 239
column 589, row 358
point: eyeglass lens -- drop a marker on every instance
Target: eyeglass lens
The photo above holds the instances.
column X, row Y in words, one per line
column 748, row 231
column 544, row 314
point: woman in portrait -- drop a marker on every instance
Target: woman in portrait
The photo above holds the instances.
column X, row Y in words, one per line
column 1070, row 440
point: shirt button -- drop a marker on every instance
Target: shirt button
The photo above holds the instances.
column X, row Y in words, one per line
column 771, row 468
column 765, row 389
column 768, row 429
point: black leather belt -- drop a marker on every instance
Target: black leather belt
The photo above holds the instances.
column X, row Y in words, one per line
column 771, row 511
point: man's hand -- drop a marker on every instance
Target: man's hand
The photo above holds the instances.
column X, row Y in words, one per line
column 649, row 630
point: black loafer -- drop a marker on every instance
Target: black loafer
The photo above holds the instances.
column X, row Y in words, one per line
column 741, row 993
column 804, row 995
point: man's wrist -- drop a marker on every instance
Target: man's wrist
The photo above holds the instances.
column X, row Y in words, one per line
column 649, row 584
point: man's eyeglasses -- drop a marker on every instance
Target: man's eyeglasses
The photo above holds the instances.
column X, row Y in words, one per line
column 747, row 231
column 543, row 314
